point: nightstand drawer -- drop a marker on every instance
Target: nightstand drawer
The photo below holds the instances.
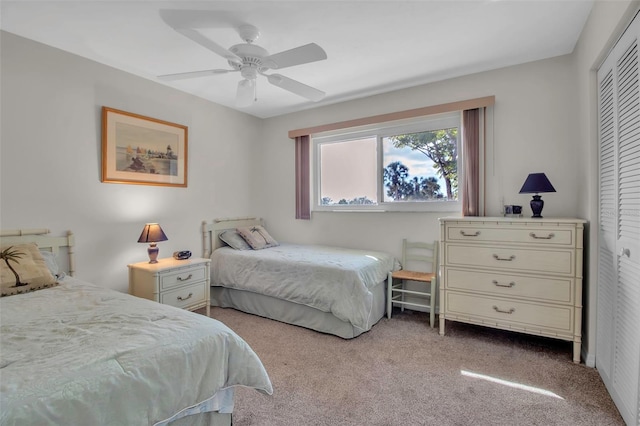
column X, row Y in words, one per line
column 539, row 261
column 507, row 313
column 186, row 275
column 552, row 236
column 185, row 296
column 554, row 290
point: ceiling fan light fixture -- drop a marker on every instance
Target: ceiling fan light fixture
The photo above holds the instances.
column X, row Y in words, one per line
column 246, row 94
column 248, row 72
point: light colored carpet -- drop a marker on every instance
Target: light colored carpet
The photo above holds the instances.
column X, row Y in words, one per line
column 403, row 372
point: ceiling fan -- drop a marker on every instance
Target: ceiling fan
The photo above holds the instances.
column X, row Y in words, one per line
column 252, row 60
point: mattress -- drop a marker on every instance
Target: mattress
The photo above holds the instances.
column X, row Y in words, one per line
column 82, row 354
column 334, row 280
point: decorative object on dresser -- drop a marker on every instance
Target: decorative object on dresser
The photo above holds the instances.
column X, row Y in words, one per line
column 534, row 184
column 152, row 233
column 180, row 283
column 514, row 274
column 512, row 210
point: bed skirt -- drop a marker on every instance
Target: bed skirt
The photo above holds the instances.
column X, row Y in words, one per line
column 296, row 314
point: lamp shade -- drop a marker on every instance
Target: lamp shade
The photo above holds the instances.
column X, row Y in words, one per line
column 535, row 183
column 152, row 233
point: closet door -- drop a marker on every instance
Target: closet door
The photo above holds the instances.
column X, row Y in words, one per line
column 618, row 334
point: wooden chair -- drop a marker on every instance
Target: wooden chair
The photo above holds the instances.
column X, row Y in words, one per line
column 412, row 254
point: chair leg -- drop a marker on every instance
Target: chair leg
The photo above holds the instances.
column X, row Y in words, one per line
column 402, row 286
column 432, row 304
column 389, row 285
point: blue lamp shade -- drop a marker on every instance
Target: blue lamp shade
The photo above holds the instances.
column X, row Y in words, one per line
column 534, row 184
column 152, row 233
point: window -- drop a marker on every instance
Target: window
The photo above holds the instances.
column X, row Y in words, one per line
column 400, row 167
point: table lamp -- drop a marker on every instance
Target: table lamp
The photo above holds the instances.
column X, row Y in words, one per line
column 536, row 183
column 152, row 233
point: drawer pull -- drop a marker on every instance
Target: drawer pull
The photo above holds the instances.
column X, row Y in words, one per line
column 185, row 279
column 548, row 237
column 180, row 298
column 510, row 311
column 505, row 259
column 496, row 283
column 464, row 234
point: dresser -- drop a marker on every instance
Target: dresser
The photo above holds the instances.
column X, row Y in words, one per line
column 180, row 283
column 518, row 274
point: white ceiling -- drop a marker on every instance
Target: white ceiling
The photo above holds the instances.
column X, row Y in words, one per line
column 372, row 46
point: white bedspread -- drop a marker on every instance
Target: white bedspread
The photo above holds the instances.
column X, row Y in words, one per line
column 79, row 354
column 331, row 279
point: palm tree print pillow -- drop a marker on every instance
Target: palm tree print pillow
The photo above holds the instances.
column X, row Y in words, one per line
column 23, row 269
column 257, row 237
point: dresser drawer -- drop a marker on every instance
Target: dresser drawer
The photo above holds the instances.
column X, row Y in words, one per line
column 185, row 296
column 538, row 261
column 182, row 276
column 552, row 236
column 554, row 290
column 506, row 313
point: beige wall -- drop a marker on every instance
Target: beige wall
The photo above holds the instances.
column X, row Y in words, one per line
column 50, row 159
column 533, row 130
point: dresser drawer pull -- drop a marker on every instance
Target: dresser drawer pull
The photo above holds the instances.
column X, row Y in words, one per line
column 180, row 298
column 548, row 237
column 185, row 279
column 505, row 259
column 464, row 234
column 510, row 311
column 496, row 283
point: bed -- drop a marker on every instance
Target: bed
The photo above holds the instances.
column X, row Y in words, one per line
column 328, row 289
column 80, row 354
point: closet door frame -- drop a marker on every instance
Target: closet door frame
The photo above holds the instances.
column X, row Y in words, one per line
column 618, row 334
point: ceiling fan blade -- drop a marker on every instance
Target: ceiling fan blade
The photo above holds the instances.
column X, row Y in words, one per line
column 246, row 94
column 299, row 55
column 295, row 87
column 209, row 44
column 192, row 74
column 185, row 18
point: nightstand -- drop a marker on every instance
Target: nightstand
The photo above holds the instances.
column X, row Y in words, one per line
column 180, row 283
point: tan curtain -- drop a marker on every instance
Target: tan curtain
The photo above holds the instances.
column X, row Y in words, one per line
column 470, row 188
column 303, row 205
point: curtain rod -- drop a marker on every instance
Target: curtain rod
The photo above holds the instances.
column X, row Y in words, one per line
column 400, row 115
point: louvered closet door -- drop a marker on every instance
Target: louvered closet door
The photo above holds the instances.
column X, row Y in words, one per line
column 618, row 334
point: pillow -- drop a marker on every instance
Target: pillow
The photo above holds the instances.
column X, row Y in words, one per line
column 234, row 240
column 27, row 267
column 257, row 237
column 51, row 260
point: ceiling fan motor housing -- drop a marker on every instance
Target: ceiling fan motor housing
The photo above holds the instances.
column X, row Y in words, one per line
column 252, row 56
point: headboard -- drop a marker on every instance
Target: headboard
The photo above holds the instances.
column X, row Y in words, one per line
column 211, row 230
column 44, row 241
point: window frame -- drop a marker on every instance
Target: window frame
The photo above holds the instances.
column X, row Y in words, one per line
column 380, row 131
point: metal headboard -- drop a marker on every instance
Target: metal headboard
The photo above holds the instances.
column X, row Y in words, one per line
column 211, row 230
column 44, row 241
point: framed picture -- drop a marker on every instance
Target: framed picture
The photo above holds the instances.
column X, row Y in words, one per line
column 141, row 150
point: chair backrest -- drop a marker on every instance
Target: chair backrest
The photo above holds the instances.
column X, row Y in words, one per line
column 419, row 256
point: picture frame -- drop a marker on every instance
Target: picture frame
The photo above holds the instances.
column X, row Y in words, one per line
column 141, row 150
